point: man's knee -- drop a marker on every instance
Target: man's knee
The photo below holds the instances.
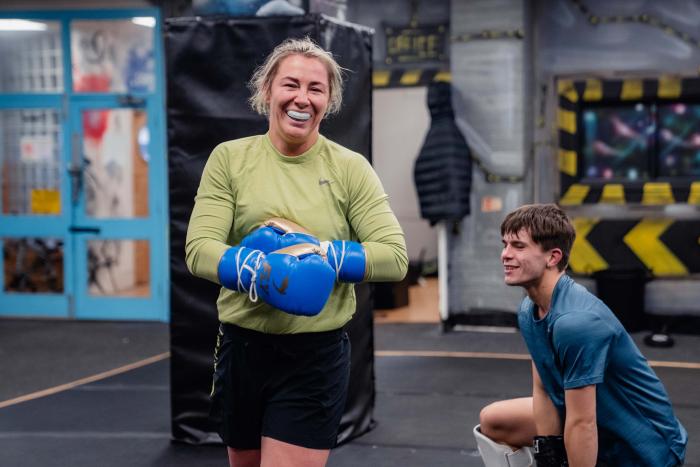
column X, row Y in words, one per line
column 509, row 421
column 500, row 455
column 493, row 421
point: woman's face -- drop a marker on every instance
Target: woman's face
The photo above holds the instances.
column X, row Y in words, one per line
column 298, row 99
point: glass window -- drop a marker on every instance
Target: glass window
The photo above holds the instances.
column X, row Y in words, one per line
column 119, row 268
column 30, row 155
column 31, row 56
column 33, row 265
column 115, row 146
column 113, row 55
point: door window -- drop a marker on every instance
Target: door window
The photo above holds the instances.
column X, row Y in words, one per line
column 31, row 57
column 118, row 267
column 82, row 202
column 115, row 147
column 33, row 265
column 113, row 55
column 30, row 158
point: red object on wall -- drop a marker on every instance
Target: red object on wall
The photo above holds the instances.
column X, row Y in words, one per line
column 94, row 121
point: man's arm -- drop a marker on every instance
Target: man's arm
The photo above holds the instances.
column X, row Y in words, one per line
column 547, row 421
column 580, row 428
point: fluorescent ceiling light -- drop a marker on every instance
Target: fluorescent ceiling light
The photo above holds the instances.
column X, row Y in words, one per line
column 147, row 21
column 21, row 25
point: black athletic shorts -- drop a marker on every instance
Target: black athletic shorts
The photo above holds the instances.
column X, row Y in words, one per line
column 289, row 387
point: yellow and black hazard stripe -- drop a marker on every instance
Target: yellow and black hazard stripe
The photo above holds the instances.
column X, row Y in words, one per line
column 403, row 77
column 666, row 247
column 649, row 194
column 572, row 95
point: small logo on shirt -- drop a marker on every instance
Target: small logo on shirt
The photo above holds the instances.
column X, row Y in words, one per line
column 324, row 181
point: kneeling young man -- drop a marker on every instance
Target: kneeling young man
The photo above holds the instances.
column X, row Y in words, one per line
column 595, row 400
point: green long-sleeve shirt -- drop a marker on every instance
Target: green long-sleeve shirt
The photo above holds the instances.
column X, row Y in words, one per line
column 331, row 191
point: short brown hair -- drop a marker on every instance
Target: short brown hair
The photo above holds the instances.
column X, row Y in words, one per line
column 547, row 225
column 262, row 77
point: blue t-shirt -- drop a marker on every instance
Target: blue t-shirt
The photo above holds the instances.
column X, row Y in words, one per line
column 580, row 342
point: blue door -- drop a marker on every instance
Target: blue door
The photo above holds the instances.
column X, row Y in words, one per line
column 83, row 223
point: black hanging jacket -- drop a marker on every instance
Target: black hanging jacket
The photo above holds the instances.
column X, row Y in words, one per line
column 443, row 170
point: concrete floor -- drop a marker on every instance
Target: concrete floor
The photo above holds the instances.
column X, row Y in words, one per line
column 430, row 388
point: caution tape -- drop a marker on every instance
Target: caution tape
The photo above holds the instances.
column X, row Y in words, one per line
column 665, row 247
column 574, row 189
column 398, row 77
column 573, row 94
column 647, row 194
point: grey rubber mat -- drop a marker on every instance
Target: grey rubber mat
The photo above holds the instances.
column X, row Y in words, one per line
column 425, row 409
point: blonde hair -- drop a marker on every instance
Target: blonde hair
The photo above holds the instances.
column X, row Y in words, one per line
column 262, row 78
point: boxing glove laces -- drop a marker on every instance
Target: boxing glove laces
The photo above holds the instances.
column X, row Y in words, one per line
column 347, row 258
column 297, row 279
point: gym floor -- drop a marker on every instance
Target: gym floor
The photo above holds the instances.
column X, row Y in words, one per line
column 78, row 393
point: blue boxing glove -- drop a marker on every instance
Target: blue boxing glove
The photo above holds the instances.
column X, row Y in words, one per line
column 347, row 258
column 238, row 268
column 277, row 233
column 297, row 279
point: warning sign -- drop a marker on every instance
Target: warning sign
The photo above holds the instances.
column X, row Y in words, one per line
column 36, row 148
column 46, row 202
column 491, row 204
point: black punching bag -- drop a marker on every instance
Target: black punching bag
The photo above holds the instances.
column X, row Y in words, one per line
column 209, row 60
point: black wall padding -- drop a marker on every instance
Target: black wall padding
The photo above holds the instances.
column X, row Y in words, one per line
column 208, row 62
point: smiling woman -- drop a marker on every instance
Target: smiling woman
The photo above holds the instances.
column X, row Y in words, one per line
column 286, row 222
column 297, row 86
column 298, row 98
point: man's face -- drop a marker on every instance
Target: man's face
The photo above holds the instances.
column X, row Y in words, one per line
column 298, row 97
column 524, row 261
